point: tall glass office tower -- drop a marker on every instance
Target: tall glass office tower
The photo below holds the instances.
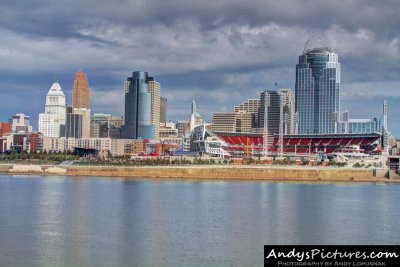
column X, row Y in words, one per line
column 317, row 87
column 138, row 107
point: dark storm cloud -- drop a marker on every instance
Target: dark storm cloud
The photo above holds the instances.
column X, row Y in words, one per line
column 218, row 52
column 57, row 18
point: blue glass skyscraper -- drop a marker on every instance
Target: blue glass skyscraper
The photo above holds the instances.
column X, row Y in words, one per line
column 138, row 107
column 317, row 87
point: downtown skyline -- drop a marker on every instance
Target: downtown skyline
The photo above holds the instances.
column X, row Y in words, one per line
column 219, row 54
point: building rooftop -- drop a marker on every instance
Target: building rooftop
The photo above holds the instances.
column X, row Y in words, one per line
column 318, row 43
column 55, row 89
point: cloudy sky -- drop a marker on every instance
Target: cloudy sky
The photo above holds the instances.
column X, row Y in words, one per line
column 218, row 52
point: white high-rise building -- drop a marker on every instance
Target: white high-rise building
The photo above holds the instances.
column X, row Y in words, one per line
column 289, row 116
column 52, row 121
column 154, row 89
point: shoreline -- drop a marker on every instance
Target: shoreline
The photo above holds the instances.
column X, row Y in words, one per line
column 272, row 173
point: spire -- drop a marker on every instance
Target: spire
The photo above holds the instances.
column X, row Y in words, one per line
column 192, row 116
column 385, row 114
column 194, row 109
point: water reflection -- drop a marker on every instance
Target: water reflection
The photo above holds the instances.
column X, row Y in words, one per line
column 107, row 222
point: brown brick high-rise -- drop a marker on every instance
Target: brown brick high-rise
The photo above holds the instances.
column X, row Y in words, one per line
column 80, row 91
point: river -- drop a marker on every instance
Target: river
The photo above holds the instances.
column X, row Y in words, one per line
column 89, row 221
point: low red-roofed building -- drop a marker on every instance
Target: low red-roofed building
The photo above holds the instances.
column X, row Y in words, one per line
column 5, row 128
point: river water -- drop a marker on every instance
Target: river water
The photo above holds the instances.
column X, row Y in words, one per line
column 63, row 221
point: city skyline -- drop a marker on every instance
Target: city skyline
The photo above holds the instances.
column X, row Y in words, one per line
column 219, row 54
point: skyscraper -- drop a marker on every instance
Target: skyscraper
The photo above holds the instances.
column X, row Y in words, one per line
column 154, row 90
column 224, row 122
column 138, row 107
column 80, row 91
column 81, row 102
column 52, row 121
column 73, row 124
column 271, row 99
column 106, row 125
column 317, row 87
column 240, row 121
column 163, row 110
column 274, row 99
column 250, row 106
column 85, row 114
column 288, row 111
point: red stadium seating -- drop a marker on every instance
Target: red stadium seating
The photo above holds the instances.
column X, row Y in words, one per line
column 334, row 141
column 346, row 142
column 293, row 141
column 305, row 141
column 297, row 144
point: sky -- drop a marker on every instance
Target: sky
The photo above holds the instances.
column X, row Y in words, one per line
column 219, row 52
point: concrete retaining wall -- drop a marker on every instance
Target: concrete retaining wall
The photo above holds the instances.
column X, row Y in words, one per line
column 5, row 168
column 232, row 172
column 209, row 172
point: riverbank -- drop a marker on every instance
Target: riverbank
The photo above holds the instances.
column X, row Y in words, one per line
column 220, row 172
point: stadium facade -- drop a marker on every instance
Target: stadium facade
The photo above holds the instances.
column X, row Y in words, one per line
column 232, row 144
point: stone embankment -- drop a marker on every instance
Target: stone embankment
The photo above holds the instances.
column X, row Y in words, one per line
column 32, row 169
column 236, row 172
column 271, row 173
column 26, row 169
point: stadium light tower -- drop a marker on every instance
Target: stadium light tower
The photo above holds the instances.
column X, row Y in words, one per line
column 282, row 102
column 385, row 132
column 265, row 133
column 385, row 137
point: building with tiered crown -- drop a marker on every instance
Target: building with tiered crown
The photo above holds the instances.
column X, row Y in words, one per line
column 52, row 121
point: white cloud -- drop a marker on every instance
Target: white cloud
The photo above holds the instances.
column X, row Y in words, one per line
column 238, row 49
column 109, row 101
column 368, row 90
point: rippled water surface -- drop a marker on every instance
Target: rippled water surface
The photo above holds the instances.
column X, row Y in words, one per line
column 60, row 221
